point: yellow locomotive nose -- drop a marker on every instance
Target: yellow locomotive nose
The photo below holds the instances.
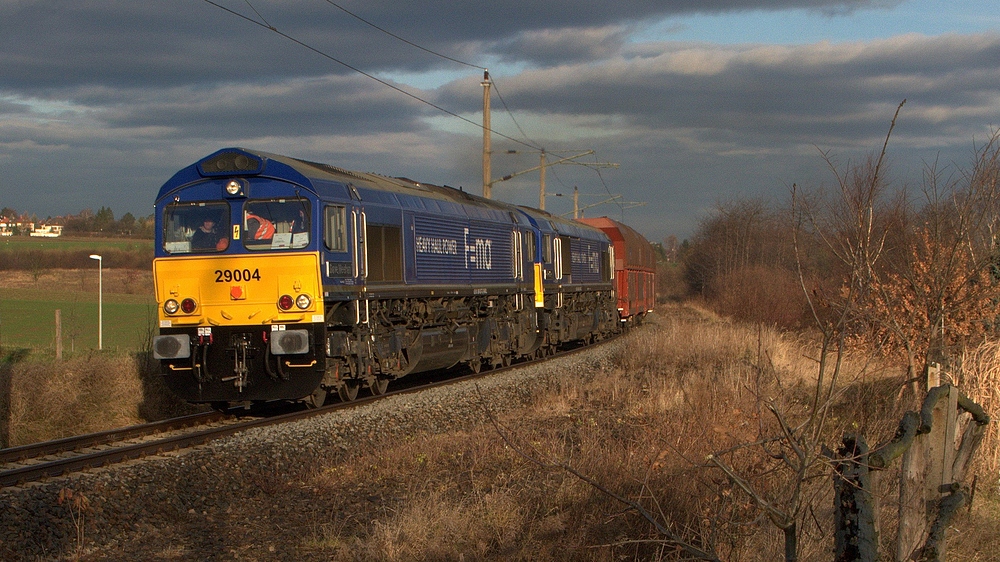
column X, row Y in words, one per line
column 238, row 290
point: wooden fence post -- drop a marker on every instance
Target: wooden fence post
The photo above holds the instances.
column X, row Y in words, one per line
column 58, row 335
column 933, row 466
column 856, row 536
column 6, row 374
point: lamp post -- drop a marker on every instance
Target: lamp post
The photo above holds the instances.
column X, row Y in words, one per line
column 100, row 300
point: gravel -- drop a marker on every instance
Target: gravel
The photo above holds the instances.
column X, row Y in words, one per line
column 229, row 499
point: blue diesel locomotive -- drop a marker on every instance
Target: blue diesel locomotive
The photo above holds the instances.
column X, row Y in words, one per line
column 284, row 279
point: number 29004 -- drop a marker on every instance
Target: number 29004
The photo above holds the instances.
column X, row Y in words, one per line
column 237, row 275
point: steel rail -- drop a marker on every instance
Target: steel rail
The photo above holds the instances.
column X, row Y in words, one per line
column 119, row 454
column 54, row 447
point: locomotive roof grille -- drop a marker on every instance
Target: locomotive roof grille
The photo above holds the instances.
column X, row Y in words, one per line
column 231, row 162
column 332, row 169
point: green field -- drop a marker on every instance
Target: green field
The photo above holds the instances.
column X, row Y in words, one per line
column 28, row 301
column 27, row 320
column 95, row 245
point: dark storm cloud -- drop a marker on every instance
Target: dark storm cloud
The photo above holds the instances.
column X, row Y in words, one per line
column 565, row 45
column 323, row 105
column 693, row 124
column 46, row 45
column 782, row 94
column 100, row 102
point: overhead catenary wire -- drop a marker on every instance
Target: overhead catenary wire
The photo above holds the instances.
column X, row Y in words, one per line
column 404, row 40
column 496, row 87
column 512, row 118
column 330, row 57
column 529, row 142
column 259, row 15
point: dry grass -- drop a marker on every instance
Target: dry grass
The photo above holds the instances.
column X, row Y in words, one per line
column 980, row 381
column 49, row 400
column 42, row 399
column 688, row 385
column 642, row 426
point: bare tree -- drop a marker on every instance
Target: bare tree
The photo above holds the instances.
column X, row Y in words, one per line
column 854, row 229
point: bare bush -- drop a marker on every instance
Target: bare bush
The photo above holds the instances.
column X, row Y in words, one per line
column 917, row 282
column 670, row 282
column 737, row 235
column 692, row 389
column 760, row 293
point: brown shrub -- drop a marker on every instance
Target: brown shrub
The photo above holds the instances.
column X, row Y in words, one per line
column 759, row 293
column 671, row 281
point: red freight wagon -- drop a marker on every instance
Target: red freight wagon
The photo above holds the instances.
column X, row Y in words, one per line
column 635, row 267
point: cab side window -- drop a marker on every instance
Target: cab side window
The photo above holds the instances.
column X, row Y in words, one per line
column 335, row 231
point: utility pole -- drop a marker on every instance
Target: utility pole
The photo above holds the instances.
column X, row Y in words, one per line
column 545, row 164
column 576, row 202
column 541, row 182
column 487, row 183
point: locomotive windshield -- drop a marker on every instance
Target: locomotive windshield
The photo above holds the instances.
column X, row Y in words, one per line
column 196, row 227
column 276, row 224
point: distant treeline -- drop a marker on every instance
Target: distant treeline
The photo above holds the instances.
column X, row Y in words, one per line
column 103, row 223
column 88, row 223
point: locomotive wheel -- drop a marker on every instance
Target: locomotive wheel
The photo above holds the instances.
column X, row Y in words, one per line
column 349, row 390
column 317, row 398
column 379, row 386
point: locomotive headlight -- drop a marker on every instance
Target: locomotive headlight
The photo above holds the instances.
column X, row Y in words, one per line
column 171, row 307
column 188, row 306
column 303, row 301
column 285, row 302
column 233, row 187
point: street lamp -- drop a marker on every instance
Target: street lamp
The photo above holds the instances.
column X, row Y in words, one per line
column 100, row 300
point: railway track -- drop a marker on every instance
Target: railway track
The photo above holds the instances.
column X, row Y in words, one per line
column 40, row 461
column 37, row 461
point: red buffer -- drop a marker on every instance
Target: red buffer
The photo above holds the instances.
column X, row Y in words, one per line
column 635, row 267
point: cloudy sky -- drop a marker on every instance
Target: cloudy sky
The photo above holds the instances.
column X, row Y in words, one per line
column 697, row 101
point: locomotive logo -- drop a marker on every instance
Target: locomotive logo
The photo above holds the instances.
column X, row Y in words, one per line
column 589, row 259
column 479, row 254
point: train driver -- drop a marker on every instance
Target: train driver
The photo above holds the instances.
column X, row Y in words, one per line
column 207, row 237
